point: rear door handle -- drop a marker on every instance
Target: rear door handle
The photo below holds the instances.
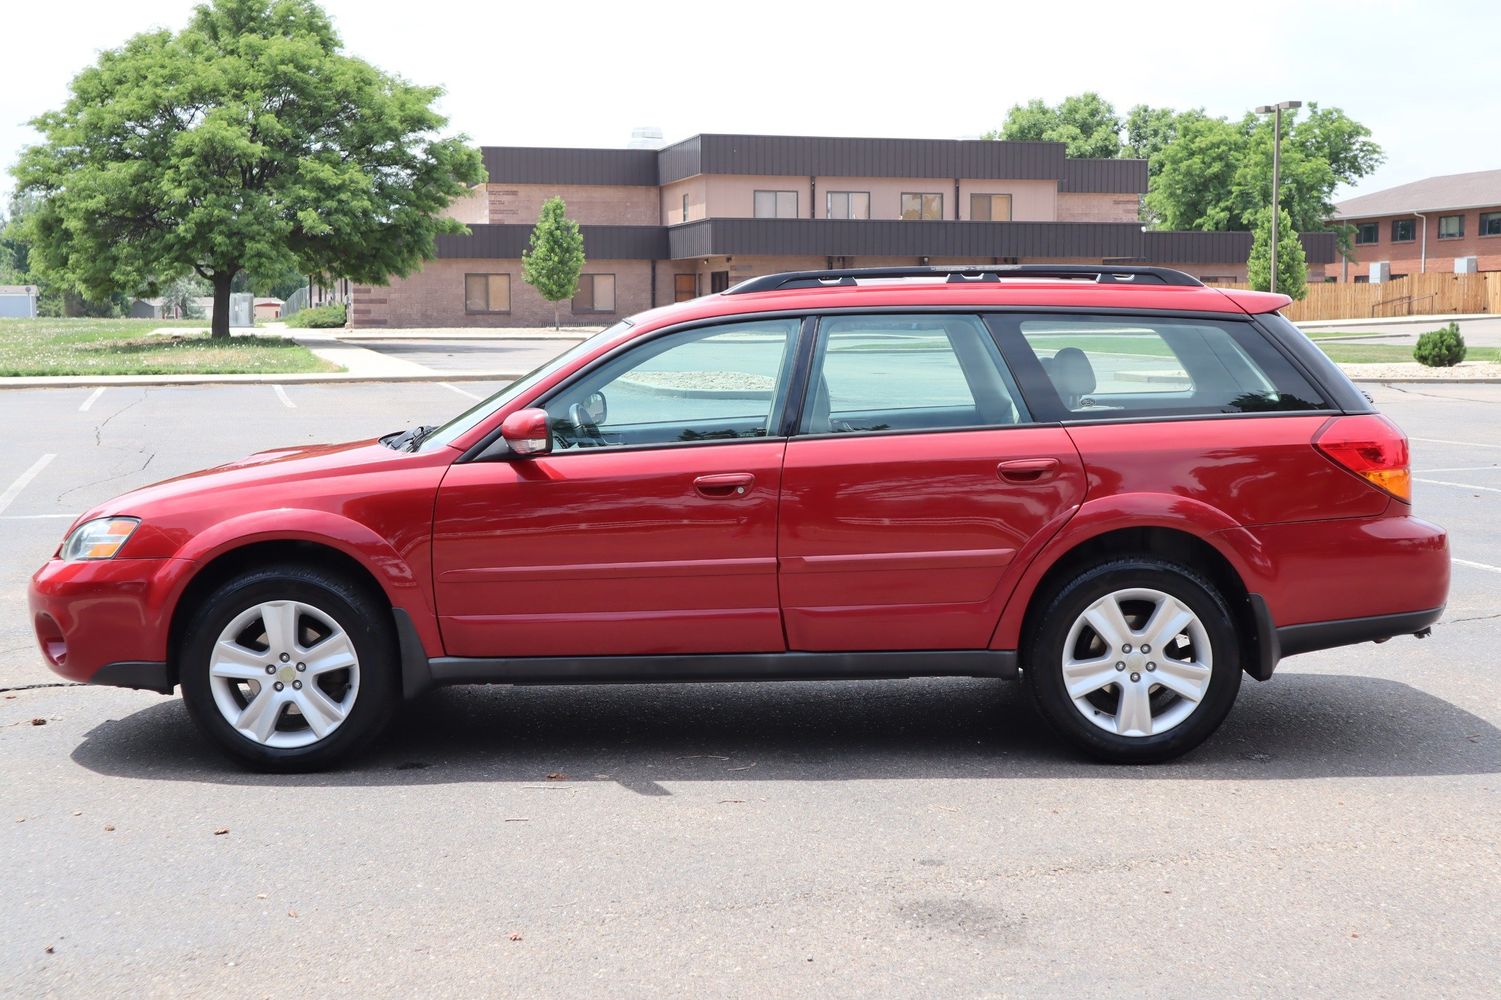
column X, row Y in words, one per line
column 725, row 485
column 1027, row 470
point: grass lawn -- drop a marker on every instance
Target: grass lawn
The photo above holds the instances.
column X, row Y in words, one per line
column 1388, row 353
column 48, row 346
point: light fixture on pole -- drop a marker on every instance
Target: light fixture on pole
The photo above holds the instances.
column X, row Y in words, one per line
column 1276, row 109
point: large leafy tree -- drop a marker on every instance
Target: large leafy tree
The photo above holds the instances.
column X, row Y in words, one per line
column 554, row 257
column 1086, row 122
column 248, row 141
column 1292, row 263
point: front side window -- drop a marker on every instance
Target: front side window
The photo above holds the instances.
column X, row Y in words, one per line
column 922, row 206
column 596, row 294
column 907, row 373
column 1367, row 232
column 1490, row 223
column 848, row 204
column 1103, row 367
column 1451, row 227
column 487, row 293
column 718, row 383
column 1404, row 230
column 990, row 207
column 776, row 204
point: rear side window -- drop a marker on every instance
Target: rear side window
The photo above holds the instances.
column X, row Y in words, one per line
column 1099, row 366
column 876, row 373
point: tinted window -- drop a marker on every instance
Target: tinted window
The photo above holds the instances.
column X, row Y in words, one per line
column 713, row 383
column 881, row 373
column 1098, row 366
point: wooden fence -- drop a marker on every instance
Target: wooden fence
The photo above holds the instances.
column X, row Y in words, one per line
column 1413, row 295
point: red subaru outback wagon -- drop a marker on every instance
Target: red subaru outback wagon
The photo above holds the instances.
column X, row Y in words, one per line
column 1124, row 486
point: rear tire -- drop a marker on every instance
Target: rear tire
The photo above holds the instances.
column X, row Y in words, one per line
column 1135, row 661
column 290, row 668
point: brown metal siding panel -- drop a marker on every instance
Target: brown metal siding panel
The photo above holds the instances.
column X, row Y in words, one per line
column 506, row 242
column 794, row 156
column 1104, row 176
column 679, row 161
column 894, row 237
column 1225, row 248
column 549, row 165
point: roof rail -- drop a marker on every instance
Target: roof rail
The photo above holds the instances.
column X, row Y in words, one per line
column 1105, row 274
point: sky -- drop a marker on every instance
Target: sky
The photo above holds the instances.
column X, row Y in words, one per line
column 1421, row 76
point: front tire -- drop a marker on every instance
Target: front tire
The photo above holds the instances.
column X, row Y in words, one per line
column 289, row 668
column 1135, row 661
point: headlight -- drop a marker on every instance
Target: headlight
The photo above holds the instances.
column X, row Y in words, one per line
column 100, row 538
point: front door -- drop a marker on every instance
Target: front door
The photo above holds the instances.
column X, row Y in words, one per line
column 651, row 528
column 915, row 481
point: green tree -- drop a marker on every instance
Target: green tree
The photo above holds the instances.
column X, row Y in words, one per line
column 1148, row 131
column 180, row 296
column 1292, row 263
column 1086, row 122
column 247, row 141
column 554, row 256
column 1195, row 177
column 14, row 245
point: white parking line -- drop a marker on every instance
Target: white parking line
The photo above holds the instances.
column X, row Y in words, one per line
column 282, row 395
column 36, row 517
column 14, row 489
column 84, row 408
column 461, row 392
column 1476, row 565
column 1461, row 486
column 1467, row 444
column 1464, row 468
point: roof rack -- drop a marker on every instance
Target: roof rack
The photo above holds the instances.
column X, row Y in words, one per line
column 1104, row 274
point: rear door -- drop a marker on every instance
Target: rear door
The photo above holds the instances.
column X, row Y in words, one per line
column 916, row 480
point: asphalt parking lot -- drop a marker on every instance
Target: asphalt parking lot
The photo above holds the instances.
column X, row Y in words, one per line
column 1340, row 835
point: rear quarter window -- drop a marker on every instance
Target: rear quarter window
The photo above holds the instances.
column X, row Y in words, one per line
column 1098, row 367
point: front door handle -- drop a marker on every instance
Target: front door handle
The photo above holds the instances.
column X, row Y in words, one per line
column 1027, row 470
column 725, row 485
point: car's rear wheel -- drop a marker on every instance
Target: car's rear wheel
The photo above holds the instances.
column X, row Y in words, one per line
column 289, row 668
column 1135, row 660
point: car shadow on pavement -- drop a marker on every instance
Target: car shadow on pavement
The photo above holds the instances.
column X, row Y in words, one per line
column 1299, row 726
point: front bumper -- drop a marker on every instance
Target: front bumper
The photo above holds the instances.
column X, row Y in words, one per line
column 106, row 622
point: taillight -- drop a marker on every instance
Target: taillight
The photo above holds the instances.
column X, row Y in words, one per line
column 1373, row 448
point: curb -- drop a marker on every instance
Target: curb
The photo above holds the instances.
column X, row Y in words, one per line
column 1424, row 381
column 306, row 378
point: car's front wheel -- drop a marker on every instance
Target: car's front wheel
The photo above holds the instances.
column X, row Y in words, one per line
column 289, row 668
column 1135, row 660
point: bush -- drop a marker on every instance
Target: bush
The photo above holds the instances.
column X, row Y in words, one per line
column 1441, row 348
column 318, row 317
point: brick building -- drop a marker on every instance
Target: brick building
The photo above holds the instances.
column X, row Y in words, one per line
column 696, row 217
column 1432, row 225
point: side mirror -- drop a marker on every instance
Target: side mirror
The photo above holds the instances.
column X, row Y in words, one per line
column 528, row 432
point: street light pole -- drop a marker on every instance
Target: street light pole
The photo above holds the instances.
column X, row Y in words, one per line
column 1276, row 111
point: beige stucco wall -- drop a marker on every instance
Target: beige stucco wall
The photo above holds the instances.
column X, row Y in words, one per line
column 696, row 188
column 1031, row 201
column 472, row 207
column 588, row 204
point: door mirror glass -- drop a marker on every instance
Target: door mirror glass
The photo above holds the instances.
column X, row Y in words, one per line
column 527, row 432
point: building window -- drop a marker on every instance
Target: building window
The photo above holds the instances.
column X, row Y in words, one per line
column 990, row 207
column 849, row 204
column 684, row 287
column 1404, row 230
column 1367, row 232
column 487, row 293
column 776, row 204
column 596, row 294
column 1362, row 279
column 922, row 206
column 685, row 208
column 1490, row 223
column 1451, row 227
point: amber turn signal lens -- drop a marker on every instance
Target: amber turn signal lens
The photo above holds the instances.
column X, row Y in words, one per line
column 1373, row 448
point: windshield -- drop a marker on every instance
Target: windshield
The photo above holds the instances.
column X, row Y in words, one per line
column 465, row 421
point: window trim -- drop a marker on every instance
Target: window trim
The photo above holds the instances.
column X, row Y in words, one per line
column 776, row 202
column 902, row 214
column 828, row 207
column 1411, row 239
column 593, row 310
column 1456, row 236
column 1375, row 228
column 1480, row 230
column 487, row 311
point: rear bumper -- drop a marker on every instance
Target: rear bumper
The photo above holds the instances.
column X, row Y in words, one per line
column 105, row 622
column 1273, row 643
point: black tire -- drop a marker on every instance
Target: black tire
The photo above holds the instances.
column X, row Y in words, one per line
column 364, row 617
column 1044, row 651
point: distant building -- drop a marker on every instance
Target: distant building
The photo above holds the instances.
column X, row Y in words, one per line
column 1425, row 226
column 701, row 215
column 18, row 301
